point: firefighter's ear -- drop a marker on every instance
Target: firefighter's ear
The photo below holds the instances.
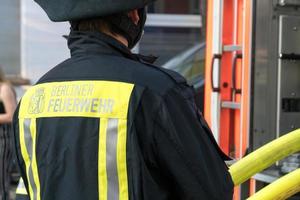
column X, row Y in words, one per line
column 134, row 16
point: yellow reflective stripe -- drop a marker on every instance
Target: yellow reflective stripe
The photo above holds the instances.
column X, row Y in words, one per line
column 102, row 174
column 98, row 99
column 121, row 159
column 25, row 154
column 28, row 146
column 106, row 138
column 21, row 190
column 34, row 161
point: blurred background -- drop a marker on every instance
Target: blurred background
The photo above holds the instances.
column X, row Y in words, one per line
column 30, row 44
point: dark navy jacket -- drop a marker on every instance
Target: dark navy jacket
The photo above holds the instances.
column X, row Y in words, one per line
column 106, row 124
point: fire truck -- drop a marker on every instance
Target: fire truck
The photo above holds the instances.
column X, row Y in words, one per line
column 252, row 90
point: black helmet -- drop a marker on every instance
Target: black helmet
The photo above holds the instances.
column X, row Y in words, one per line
column 69, row 10
column 114, row 11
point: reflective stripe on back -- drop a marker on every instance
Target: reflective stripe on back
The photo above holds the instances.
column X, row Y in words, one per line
column 121, row 159
column 106, row 100
column 24, row 150
column 102, row 174
column 111, row 159
column 112, row 166
column 99, row 99
column 33, row 133
column 28, row 146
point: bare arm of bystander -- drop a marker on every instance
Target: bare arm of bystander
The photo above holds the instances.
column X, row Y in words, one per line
column 9, row 100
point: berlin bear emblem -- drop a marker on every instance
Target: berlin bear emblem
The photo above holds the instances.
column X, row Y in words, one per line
column 37, row 102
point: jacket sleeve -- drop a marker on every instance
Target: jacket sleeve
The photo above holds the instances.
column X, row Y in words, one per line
column 185, row 151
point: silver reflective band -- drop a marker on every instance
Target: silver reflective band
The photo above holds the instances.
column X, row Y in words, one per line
column 111, row 159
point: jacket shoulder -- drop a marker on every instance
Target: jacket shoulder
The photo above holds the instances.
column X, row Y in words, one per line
column 114, row 68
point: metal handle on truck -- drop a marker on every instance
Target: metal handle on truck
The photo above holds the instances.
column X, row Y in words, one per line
column 234, row 65
column 219, row 57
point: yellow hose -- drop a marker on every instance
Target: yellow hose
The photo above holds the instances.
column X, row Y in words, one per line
column 265, row 156
column 283, row 188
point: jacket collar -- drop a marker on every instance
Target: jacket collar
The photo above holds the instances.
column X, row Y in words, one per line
column 81, row 43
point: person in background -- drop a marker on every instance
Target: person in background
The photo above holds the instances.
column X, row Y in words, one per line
column 7, row 107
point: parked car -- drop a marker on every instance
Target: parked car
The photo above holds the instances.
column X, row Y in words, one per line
column 190, row 64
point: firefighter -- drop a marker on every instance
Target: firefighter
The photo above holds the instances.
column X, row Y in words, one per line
column 108, row 124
